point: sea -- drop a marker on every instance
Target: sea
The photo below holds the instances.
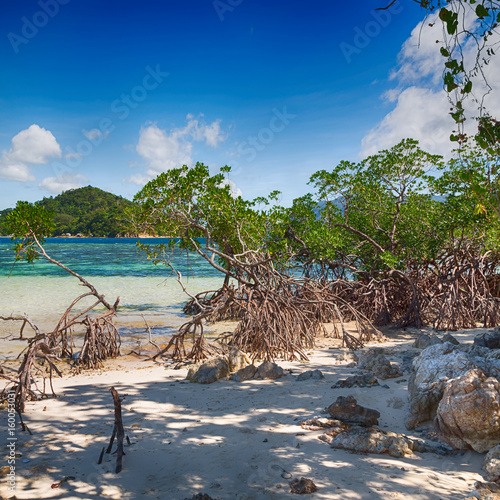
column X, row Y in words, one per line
column 148, row 293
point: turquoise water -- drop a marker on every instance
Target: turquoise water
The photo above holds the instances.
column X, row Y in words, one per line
column 101, row 257
column 116, row 268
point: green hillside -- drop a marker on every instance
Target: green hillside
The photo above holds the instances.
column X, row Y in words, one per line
column 88, row 211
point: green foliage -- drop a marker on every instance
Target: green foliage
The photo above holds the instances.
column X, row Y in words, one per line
column 28, row 223
column 470, row 183
column 468, row 25
column 377, row 212
column 88, row 211
column 190, row 204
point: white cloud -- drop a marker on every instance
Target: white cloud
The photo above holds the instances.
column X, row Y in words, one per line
column 164, row 150
column 421, row 114
column 62, row 183
column 15, row 171
column 421, row 106
column 419, row 57
column 94, row 134
column 34, row 145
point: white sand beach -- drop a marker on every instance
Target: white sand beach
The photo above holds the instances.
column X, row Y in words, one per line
column 228, row 440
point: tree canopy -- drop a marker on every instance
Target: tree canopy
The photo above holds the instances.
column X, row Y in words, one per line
column 401, row 237
column 88, row 211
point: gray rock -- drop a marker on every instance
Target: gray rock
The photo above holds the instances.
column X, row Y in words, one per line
column 268, row 369
column 435, row 367
column 491, row 464
column 244, row 373
column 310, row 374
column 491, row 339
column 407, row 358
column 303, row 486
column 468, row 415
column 431, row 371
column 448, row 337
column 347, row 410
column 485, row 491
column 375, row 361
column 367, row 380
column 237, row 360
column 425, row 340
column 209, row 372
column 363, row 440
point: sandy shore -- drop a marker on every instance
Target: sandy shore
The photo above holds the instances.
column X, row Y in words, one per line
column 230, row 440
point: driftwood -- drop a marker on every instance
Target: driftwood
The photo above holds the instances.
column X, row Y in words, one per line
column 118, row 432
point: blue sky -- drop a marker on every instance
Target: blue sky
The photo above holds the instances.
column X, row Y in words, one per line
column 106, row 94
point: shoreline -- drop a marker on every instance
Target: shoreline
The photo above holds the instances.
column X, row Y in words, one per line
column 229, row 440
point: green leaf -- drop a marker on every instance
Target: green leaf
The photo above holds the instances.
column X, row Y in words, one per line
column 444, row 52
column 481, row 11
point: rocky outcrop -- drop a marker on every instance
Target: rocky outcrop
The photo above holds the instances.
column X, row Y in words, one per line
column 310, row 374
column 435, row 367
column 485, row 491
column 269, row 370
column 237, row 360
column 468, row 415
column 491, row 464
column 367, row 380
column 244, row 373
column 425, row 340
column 347, row 410
column 448, row 337
column 369, row 440
column 491, row 339
column 375, row 361
column 303, row 486
column 209, row 372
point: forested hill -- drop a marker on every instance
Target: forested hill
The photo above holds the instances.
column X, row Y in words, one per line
column 86, row 211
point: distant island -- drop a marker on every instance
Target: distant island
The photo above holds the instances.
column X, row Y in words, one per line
column 85, row 212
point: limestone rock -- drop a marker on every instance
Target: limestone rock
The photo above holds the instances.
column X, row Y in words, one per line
column 209, row 372
column 448, row 337
column 237, row 360
column 491, row 464
column 425, row 340
column 491, row 339
column 372, row 441
column 244, row 373
column 431, row 371
column 375, row 361
column 407, row 358
column 348, row 410
column 268, row 369
column 486, row 491
column 320, row 423
column 367, row 380
column 369, row 440
column 314, row 374
column 468, row 414
column 303, row 486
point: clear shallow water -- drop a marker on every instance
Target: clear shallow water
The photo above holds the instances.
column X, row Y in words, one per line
column 116, row 268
